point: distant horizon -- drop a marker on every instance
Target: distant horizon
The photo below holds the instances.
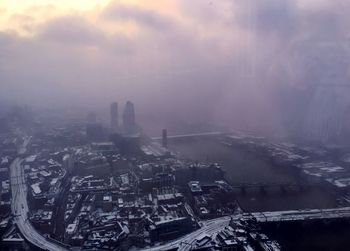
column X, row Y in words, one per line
column 256, row 64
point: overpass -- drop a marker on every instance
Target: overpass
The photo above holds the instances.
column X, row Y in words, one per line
column 213, row 226
column 190, row 135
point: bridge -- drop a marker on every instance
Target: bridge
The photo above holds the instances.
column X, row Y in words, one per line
column 283, row 186
column 300, row 215
column 190, row 135
column 213, row 226
column 335, row 85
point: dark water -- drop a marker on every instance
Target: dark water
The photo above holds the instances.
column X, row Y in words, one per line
column 316, row 236
column 242, row 166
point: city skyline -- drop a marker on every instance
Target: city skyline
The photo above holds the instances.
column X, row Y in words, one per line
column 175, row 125
column 250, row 65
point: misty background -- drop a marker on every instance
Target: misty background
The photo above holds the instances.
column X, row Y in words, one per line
column 275, row 67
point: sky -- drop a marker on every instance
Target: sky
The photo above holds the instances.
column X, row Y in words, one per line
column 254, row 64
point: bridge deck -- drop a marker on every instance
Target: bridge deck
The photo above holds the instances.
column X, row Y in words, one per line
column 301, row 215
column 190, row 135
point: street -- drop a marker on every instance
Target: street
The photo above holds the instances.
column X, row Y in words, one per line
column 20, row 209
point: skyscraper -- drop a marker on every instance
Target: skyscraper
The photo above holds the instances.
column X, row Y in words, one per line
column 129, row 125
column 114, row 117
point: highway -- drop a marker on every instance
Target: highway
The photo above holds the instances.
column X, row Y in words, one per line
column 20, row 209
column 23, row 148
column 211, row 227
column 185, row 243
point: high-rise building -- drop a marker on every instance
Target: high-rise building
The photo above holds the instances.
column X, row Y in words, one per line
column 129, row 125
column 114, row 117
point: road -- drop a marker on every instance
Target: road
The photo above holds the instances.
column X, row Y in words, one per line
column 211, row 227
column 23, row 148
column 185, row 243
column 20, row 209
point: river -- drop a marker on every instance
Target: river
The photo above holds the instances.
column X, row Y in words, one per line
column 242, row 166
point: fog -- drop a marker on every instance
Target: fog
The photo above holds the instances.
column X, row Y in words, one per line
column 276, row 67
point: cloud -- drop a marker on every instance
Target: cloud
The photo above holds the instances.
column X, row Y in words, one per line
column 273, row 16
column 7, row 38
column 144, row 17
column 72, row 30
column 206, row 12
column 246, row 64
column 25, row 23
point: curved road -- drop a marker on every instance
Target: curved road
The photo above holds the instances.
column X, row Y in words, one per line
column 20, row 210
column 187, row 242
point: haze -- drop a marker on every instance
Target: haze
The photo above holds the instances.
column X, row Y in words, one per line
column 278, row 67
